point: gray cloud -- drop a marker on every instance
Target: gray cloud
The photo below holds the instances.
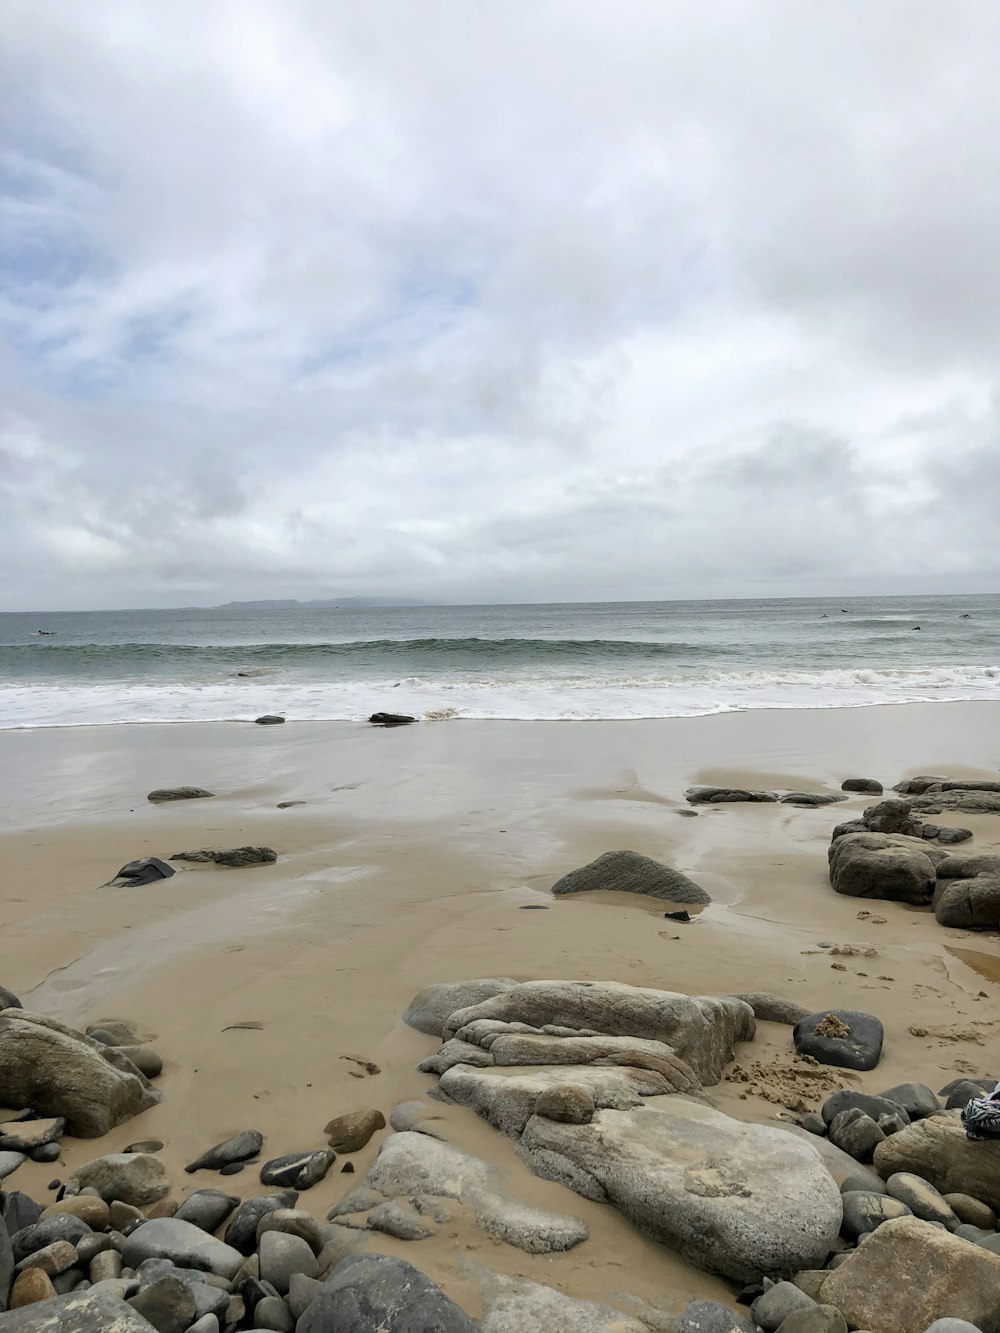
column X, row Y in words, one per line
column 516, row 302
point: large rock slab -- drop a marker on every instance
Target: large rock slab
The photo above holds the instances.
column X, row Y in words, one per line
column 909, row 1273
column 517, row 1305
column 728, row 795
column 702, row 1030
column 883, row 865
column 430, row 1008
column 57, row 1071
column 736, row 1199
column 135, row 1178
column 937, row 1150
column 629, row 872
column 977, row 801
column 184, row 1244
column 79, row 1312
column 376, row 1293
column 967, row 894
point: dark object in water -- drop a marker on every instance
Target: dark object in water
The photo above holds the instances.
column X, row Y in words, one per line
column 136, row 873
column 682, row 915
column 916, row 626
column 269, row 720
column 46, row 631
column 391, row 719
column 533, row 907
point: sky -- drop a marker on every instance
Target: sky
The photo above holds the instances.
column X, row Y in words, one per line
column 533, row 301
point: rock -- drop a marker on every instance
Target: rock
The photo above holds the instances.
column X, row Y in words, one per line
column 51, row 1259
column 770, row 1008
column 298, row 1171
column 727, row 795
column 971, row 1211
column 983, row 1084
column 168, row 1305
column 45, row 1232
column 811, row 799
column 930, row 830
column 302, row 1291
column 391, row 719
column 937, row 1150
column 293, row 1222
column 93, row 1212
column 430, row 1009
column 241, row 1232
column 48, row 1152
column 950, row 836
column 29, row 1288
column 848, row 826
column 963, row 1091
column 777, row 1303
column 373, row 1293
column 178, row 794
column 79, row 1312
column 6, row 1266
column 569, row 1103
column 856, row 1133
column 867, row 785
column 823, row 1036
column 820, row 1319
column 269, row 720
column 144, row 1058
column 977, row 802
column 918, row 785
column 879, row 865
column 922, row 1199
column 208, row 1323
column 9, row 1162
column 116, row 1032
column 207, row 1209
column 18, row 1211
column 60, row 1072
column 134, row 874
column 184, row 1244
column 916, row 1099
column 892, row 816
column 515, row 1305
column 105, row 1266
column 909, row 1273
column 349, row 1133
column 240, row 1148
column 848, row 1099
column 135, row 1178
column 967, row 894
column 712, row 1317
column 702, row 1030
column 951, row 1326
column 237, row 857
column 398, row 1218
column 8, row 1000
column 815, row 1124
column 628, row 872
column 281, row 1255
column 273, row 1313
column 864, row 1211
column 26, row 1135
column 737, row 1199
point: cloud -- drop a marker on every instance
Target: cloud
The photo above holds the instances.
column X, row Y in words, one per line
column 518, row 302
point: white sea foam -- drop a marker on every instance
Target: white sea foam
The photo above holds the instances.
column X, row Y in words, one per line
column 697, row 694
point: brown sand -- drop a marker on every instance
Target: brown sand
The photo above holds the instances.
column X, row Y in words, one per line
column 409, row 862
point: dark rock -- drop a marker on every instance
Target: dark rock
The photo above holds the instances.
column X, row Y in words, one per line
column 241, row 1232
column 273, row 1313
column 18, row 1211
column 8, row 1000
column 917, row 786
column 967, row 895
column 770, row 1008
column 350, row 1132
column 971, row 802
column 391, row 719
column 162, row 794
column 282, row 1255
column 136, row 873
column 863, row 1182
column 374, row 1293
column 46, row 1152
column 842, row 1037
column 855, row 1133
column 78, row 1312
column 234, row 857
column 6, row 1266
column 168, row 1305
column 930, row 831
column 727, row 795
column 848, row 1099
column 299, row 1171
column 683, row 915
column 880, row 865
column 916, row 1099
column 984, row 1084
column 892, row 816
column 240, row 1148
column 811, row 799
column 848, row 826
column 953, row 835
column 47, row 1231
column 777, row 1303
column 866, row 785
column 269, row 720
column 813, row 1123
column 232, row 1168
column 183, row 1244
column 144, row 1058
column 963, row 1092
column 207, row 1209
column 712, row 1317
column 629, row 872
column 864, row 1211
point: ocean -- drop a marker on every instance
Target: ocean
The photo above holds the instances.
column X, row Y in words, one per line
column 579, row 660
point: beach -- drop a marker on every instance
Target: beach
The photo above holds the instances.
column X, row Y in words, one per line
column 408, row 857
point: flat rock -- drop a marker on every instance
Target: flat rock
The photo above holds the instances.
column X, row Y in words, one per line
column 770, row 1008
column 916, row 1099
column 207, row 1209
column 937, row 1150
column 736, row 1199
column 25, row 1135
column 430, row 1008
column 136, row 1178
column 391, row 719
column 728, row 795
column 866, row 1212
column 269, row 720
column 374, row 1293
column 184, row 1244
column 58, row 1071
column 973, row 802
column 240, row 1148
column 517, row 1305
column 398, row 1218
column 299, row 1171
column 350, row 1132
column 712, row 1317
column 811, row 799
column 79, row 1312
column 162, row 794
column 845, row 1038
column 909, row 1273
column 629, row 872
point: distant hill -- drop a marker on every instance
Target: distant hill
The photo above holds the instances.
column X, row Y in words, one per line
column 290, row 604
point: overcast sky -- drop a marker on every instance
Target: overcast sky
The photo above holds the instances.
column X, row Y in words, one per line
column 534, row 300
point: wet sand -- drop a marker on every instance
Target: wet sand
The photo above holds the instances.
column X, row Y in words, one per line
column 409, row 862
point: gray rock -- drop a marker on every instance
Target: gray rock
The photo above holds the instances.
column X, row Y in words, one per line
column 822, row 1036
column 398, row 1218
column 515, row 1305
column 391, row 719
column 866, row 785
column 430, row 1009
column 865, row 1212
column 58, row 1071
column 8, row 1000
column 162, row 794
column 971, row 1211
column 298, row 1171
column 6, row 1266
column 207, row 1209
column 970, row 802
column 984, row 1084
column 811, row 799
column 238, row 857
column 372, row 1293
column 241, row 1231
column 184, row 1244
column 133, row 875
column 770, row 1008
column 848, row 1100
column 967, row 894
column 79, row 1312
column 240, row 1148
column 281, row 1255
column 167, row 1304
column 820, row 1319
column 951, row 1326
column 51, row 1259
column 26, row 1135
column 922, row 1199
column 629, row 872
column 777, row 1303
column 727, row 795
column 208, row 1323
column 856, row 1133
column 916, row 1099
column 892, row 815
column 962, row 1093
column 864, row 1182
column 144, row 1058
column 814, row 1123
column 884, row 866
column 269, row 720
column 847, row 826
column 45, row 1232
column 294, row 1222
column 302, row 1291
column 712, row 1317
column 953, row 835
column 10, row 1161
column 135, row 1178
column 273, row 1313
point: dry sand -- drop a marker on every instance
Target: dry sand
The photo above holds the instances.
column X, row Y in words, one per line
column 409, row 862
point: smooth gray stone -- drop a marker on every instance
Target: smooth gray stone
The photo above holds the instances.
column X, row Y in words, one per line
column 46, row 1231
column 847, row 1099
column 10, row 1161
column 281, row 1255
column 951, row 1326
column 241, row 1231
column 820, row 1319
column 207, row 1209
column 273, row 1313
column 369, row 1293
column 167, row 1304
column 778, row 1303
column 856, row 1133
column 712, row 1317
column 240, row 1148
column 18, row 1210
column 916, row 1099
column 302, row 1291
column 865, row 1212
column 79, row 1312
column 6, row 1266
column 184, row 1244
column 864, row 1183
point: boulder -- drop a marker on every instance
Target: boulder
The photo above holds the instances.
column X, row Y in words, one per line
column 183, row 1244
column 299, row 1171
column 134, row 1178
column 391, row 719
column 134, row 874
column 269, row 720
column 162, row 794
column 768, row 1008
column 732, row 1198
column 8, row 1000
column 963, row 1091
column 240, row 1148
column 967, row 894
column 916, row 1099
column 865, row 1211
column 856, row 1133
column 58, row 1071
column 515, row 1305
column 702, row 1031
column 866, row 785
column 937, row 1150
column 712, row 1317
column 628, row 872
column 845, row 1038
column 430, row 1008
column 882, row 865
column 349, row 1133
column 951, row 836
column 876, row 1107
column 728, row 795
column 909, row 1273
column 376, row 1293
column 811, row 799
column 977, row 801
column 892, row 816
column 79, row 1312
column 918, row 785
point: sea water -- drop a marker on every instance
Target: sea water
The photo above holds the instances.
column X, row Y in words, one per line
column 580, row 660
